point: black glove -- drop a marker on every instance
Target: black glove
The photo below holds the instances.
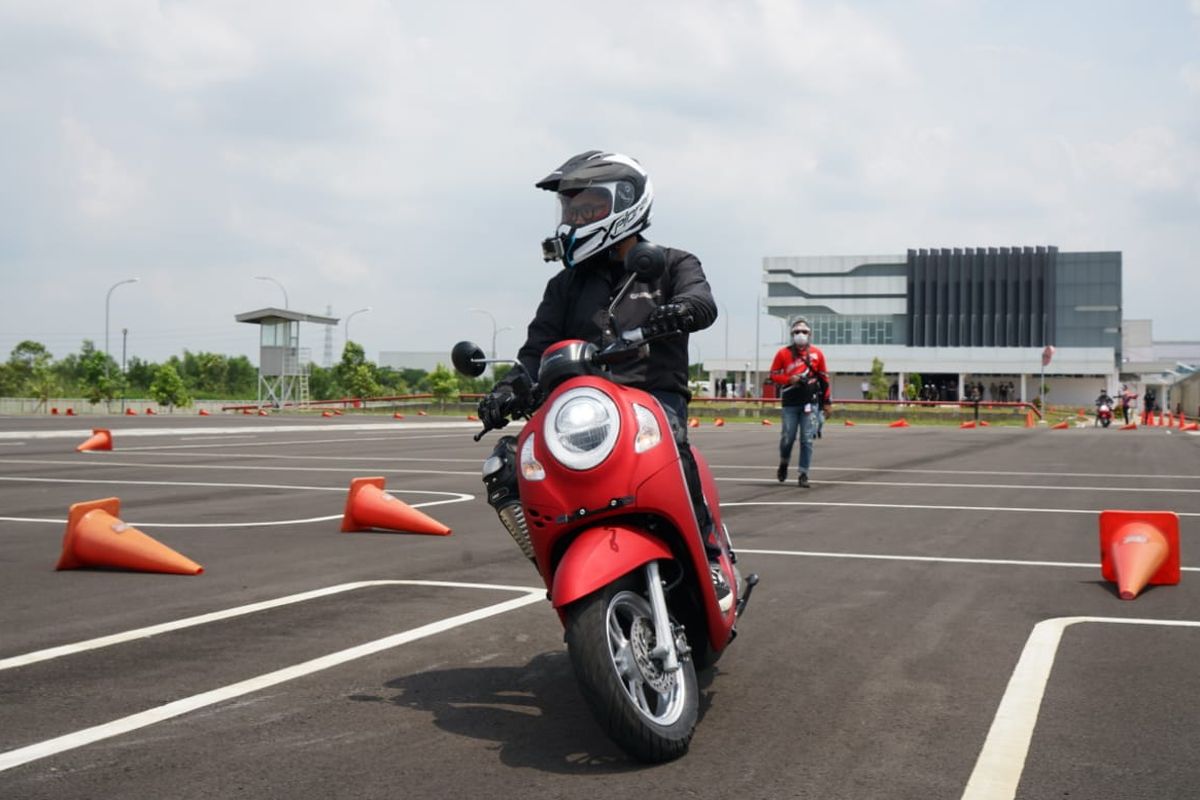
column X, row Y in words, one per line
column 498, row 405
column 671, row 317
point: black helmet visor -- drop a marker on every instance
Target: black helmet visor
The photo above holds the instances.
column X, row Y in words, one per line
column 585, row 206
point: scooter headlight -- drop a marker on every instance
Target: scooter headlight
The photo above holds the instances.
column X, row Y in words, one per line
column 582, row 427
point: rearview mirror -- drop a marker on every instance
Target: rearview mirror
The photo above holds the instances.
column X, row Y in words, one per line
column 468, row 359
column 647, row 261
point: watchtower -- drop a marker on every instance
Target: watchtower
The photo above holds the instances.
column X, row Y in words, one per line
column 282, row 363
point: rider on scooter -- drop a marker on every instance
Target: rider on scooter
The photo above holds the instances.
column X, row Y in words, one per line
column 605, row 201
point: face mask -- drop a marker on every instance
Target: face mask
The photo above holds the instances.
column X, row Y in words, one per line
column 801, row 339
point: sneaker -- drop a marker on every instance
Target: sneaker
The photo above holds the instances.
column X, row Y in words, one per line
column 803, row 480
column 781, row 473
column 724, row 593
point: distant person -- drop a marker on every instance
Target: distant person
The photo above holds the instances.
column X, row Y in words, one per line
column 1128, row 398
column 865, row 386
column 1149, row 404
column 800, row 372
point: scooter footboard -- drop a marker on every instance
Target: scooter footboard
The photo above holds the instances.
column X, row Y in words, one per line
column 599, row 556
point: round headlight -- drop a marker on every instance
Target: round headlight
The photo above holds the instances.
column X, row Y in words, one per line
column 582, row 428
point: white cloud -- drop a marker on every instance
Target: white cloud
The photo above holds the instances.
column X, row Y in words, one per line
column 103, row 188
column 1190, row 75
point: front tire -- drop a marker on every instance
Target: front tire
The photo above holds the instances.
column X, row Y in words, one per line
column 650, row 713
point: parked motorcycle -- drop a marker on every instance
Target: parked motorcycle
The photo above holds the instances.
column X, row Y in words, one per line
column 593, row 492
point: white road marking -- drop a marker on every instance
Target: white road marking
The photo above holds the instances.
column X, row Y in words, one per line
column 1044, row 487
column 70, row 741
column 1105, row 475
column 230, row 467
column 451, row 497
column 257, row 429
column 362, row 437
column 13, row 444
column 230, row 613
column 934, row 559
column 918, row 507
column 998, row 769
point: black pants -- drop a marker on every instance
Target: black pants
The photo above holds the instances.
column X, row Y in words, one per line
column 675, row 405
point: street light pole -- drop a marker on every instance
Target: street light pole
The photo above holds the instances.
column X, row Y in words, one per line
column 107, row 298
column 277, row 283
column 350, row 317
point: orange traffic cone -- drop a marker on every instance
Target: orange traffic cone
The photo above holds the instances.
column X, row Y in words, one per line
column 203, row 412
column 397, row 415
column 472, row 418
column 1182, row 421
column 262, row 412
column 54, row 411
column 1192, row 426
column 983, row 423
column 848, row 424
column 70, row 412
column 129, row 412
column 966, row 425
column 900, row 423
column 1062, row 426
column 1139, row 548
column 338, row 413
column 422, row 414
column 1130, row 427
column 326, row 414
column 1029, row 423
column 151, row 412
column 719, row 422
column 368, row 506
column 767, row 422
column 95, row 537
column 101, row 439
column 693, row 422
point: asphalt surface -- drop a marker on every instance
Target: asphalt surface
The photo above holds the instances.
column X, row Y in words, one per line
column 898, row 595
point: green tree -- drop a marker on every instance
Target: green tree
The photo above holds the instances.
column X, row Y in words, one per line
column 96, row 378
column 139, row 375
column 168, row 389
column 27, row 357
column 241, row 378
column 913, row 390
column 443, row 384
column 322, row 385
column 879, row 382
column 361, row 382
column 9, row 385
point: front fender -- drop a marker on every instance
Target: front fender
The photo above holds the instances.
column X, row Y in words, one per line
column 599, row 556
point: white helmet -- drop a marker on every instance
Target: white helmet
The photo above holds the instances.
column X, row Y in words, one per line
column 603, row 198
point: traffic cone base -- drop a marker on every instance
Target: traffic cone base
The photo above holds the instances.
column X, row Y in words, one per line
column 326, row 414
column 101, row 439
column 719, row 422
column 129, row 412
column 397, row 415
column 693, row 422
column 966, row 425
column 900, row 423
column 95, row 537
column 1130, row 427
column 203, row 412
column 767, row 422
column 1061, row 426
column 848, row 424
column 368, row 506
column 1139, row 548
column 1192, row 426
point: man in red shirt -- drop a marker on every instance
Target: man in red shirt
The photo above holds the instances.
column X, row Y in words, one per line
column 799, row 370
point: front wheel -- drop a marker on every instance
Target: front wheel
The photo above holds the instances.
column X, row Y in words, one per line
column 649, row 712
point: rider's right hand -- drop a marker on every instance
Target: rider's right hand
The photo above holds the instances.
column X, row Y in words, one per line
column 498, row 405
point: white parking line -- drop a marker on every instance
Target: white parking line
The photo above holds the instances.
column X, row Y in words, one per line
column 918, row 507
column 998, row 769
column 934, row 559
column 1029, row 487
column 102, row 460
column 1022, row 474
column 257, row 429
column 451, row 497
column 70, row 741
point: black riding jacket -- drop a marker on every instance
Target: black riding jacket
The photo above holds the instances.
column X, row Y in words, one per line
column 575, row 306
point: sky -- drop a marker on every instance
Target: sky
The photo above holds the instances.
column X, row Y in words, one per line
column 383, row 154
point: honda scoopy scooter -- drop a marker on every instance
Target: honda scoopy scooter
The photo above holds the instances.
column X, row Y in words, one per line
column 594, row 493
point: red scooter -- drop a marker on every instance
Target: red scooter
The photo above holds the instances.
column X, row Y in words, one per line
column 1104, row 414
column 593, row 491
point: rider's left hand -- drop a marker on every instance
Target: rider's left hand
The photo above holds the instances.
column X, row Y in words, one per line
column 672, row 317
